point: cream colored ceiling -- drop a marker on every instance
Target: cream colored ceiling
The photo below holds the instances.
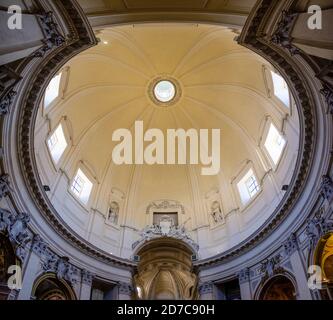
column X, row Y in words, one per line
column 222, row 87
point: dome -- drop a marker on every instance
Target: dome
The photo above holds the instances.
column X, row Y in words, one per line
column 189, row 77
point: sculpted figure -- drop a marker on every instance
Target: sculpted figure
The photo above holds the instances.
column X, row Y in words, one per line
column 18, row 231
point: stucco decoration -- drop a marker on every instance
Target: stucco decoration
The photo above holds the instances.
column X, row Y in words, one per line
column 165, row 205
column 61, row 267
column 157, row 231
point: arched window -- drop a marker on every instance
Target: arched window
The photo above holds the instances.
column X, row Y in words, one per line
column 52, row 91
column 281, row 90
column 248, row 187
column 57, row 143
column 81, row 187
column 274, row 144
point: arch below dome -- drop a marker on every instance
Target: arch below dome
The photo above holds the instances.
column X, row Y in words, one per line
column 49, row 287
column 279, row 287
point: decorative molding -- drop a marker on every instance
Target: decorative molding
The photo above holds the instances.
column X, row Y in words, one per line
column 4, row 186
column 206, row 288
column 53, row 38
column 282, row 35
column 244, row 275
column 291, row 244
column 328, row 95
column 165, row 205
column 270, row 267
column 6, row 101
column 125, row 288
column 156, row 231
column 16, row 227
column 176, row 84
column 317, row 227
column 61, row 267
column 87, row 277
column 8, row 80
column 39, row 246
column 326, row 188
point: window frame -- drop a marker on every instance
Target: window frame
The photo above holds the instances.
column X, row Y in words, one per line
column 269, row 83
column 65, row 130
column 263, row 139
column 86, row 172
column 62, row 90
column 240, row 176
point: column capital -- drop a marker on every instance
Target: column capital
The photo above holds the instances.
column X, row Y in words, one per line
column 125, row 288
column 291, row 244
column 206, row 287
column 86, row 277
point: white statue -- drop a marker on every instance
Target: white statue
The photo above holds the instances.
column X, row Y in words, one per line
column 113, row 212
column 216, row 212
column 166, row 223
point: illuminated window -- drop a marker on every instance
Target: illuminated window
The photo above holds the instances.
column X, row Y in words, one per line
column 82, row 187
column 164, row 91
column 57, row 144
column 52, row 90
column 281, row 90
column 274, row 144
column 248, row 187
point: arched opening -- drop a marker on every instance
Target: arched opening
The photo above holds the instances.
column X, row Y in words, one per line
column 48, row 287
column 323, row 258
column 326, row 262
column 7, row 259
column 278, row 288
column 165, row 271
